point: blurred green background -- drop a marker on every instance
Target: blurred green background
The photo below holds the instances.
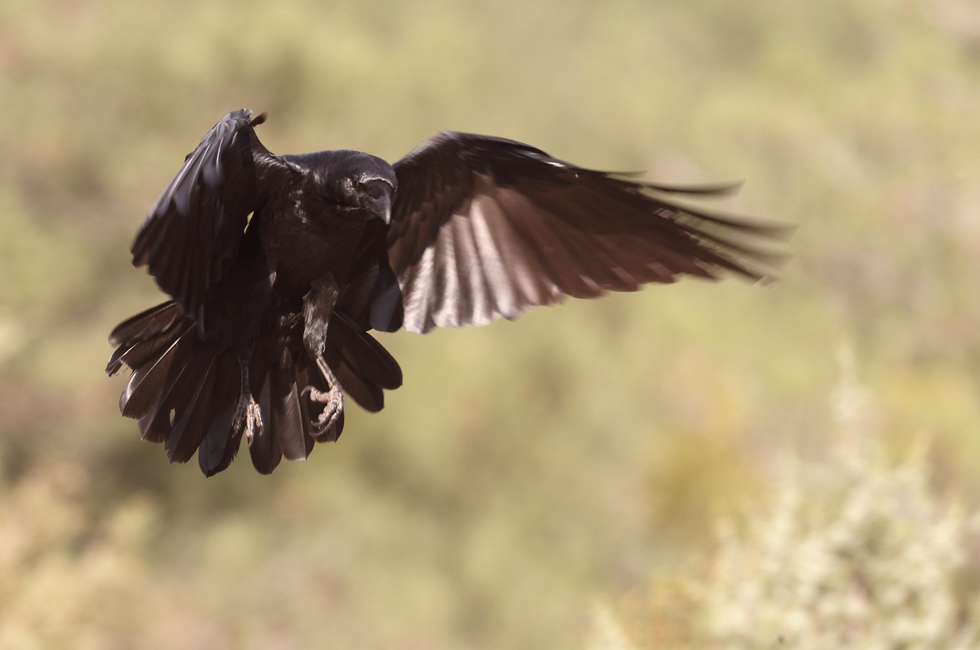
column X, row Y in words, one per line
column 526, row 469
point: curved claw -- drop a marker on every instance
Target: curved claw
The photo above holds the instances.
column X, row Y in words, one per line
column 333, row 401
column 248, row 414
column 253, row 423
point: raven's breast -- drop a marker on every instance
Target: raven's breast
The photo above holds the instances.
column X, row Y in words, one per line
column 307, row 239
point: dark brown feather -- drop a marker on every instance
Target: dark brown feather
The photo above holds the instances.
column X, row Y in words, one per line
column 193, row 417
column 151, row 322
column 152, row 380
column 485, row 228
column 191, row 236
column 286, row 411
column 220, row 443
column 264, row 449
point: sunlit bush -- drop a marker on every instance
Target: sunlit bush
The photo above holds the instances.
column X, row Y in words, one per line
column 881, row 565
column 874, row 559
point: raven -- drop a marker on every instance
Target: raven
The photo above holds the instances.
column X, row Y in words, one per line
column 279, row 266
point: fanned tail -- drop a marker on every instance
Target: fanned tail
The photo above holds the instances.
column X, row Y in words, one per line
column 184, row 389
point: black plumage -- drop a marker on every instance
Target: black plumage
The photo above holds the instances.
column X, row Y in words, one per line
column 268, row 325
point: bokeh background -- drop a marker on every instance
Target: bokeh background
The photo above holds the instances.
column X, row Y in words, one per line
column 529, row 470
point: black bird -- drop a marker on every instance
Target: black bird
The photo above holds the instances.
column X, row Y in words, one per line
column 279, row 266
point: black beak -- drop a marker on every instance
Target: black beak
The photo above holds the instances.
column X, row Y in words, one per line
column 376, row 197
column 384, row 207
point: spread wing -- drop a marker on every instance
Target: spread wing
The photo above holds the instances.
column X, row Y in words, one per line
column 191, row 236
column 484, row 228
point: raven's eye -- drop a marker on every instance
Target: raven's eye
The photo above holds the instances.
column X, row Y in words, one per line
column 349, row 194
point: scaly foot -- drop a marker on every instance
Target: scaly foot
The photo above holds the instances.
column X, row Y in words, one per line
column 249, row 414
column 333, row 401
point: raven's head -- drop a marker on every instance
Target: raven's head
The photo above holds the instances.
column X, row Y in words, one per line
column 374, row 188
column 352, row 180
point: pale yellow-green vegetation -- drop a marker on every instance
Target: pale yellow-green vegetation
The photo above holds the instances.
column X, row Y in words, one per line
column 856, row 553
column 526, row 470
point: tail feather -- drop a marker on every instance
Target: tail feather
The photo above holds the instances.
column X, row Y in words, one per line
column 192, row 418
column 136, row 354
column 155, row 320
column 287, row 415
column 220, row 444
column 302, row 382
column 150, row 381
column 155, row 426
column 178, row 396
column 265, row 450
column 368, row 395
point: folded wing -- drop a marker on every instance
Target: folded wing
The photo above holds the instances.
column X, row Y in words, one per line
column 484, row 228
column 191, row 236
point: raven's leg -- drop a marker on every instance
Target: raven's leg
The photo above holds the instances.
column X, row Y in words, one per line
column 318, row 307
column 247, row 410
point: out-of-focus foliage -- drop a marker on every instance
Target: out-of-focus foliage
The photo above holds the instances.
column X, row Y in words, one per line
column 880, row 570
column 525, row 469
column 871, row 558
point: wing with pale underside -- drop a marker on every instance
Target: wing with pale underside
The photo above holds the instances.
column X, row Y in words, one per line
column 484, row 228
